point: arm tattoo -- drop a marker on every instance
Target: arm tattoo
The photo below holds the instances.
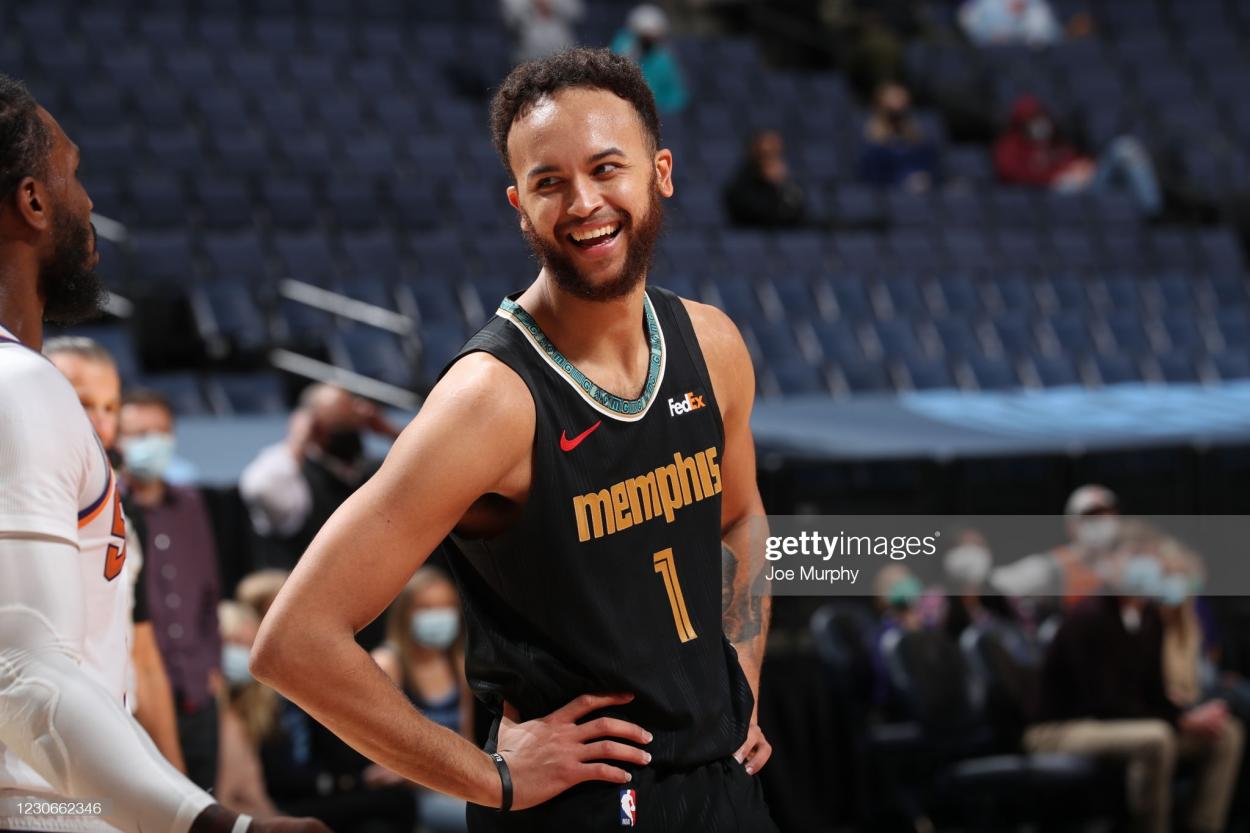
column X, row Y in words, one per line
column 742, row 597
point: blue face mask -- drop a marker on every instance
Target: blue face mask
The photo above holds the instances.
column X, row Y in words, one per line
column 234, row 664
column 905, row 592
column 148, row 456
column 436, row 627
column 1173, row 590
column 1142, row 577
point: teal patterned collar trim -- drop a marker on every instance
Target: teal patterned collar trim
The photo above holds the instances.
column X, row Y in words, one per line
column 604, row 401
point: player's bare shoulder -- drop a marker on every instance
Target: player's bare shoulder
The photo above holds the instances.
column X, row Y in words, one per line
column 726, row 354
column 480, row 388
column 480, row 415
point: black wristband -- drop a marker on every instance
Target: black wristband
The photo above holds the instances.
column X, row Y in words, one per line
column 505, row 778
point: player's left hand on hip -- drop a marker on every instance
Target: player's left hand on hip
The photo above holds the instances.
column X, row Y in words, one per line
column 756, row 751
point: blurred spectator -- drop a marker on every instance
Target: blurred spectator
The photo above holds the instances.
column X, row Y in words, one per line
column 643, row 40
column 1007, row 22
column 967, row 566
column 898, row 595
column 424, row 656
column 896, row 153
column 1032, row 153
column 258, row 590
column 279, row 757
column 292, row 488
column 1015, row 22
column 1071, row 571
column 93, row 374
column 1103, row 693
column 249, row 713
column 541, row 27
column 762, row 193
column 181, row 577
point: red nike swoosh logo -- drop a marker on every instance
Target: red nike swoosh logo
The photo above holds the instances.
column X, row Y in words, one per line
column 568, row 445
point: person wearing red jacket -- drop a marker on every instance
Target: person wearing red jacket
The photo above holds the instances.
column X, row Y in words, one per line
column 1031, row 153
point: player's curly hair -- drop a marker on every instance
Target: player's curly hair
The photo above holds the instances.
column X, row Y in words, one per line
column 598, row 69
column 24, row 139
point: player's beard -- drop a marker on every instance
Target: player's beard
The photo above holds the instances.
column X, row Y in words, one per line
column 71, row 290
column 640, row 239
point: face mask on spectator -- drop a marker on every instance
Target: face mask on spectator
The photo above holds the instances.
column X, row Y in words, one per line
column 968, row 565
column 436, row 627
column 1142, row 577
column 344, row 444
column 148, row 456
column 1173, row 590
column 234, row 664
column 1040, row 130
column 905, row 592
column 1097, row 533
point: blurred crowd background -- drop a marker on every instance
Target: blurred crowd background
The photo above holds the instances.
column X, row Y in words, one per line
column 301, row 218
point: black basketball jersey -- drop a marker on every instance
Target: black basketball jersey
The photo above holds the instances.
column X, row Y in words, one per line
column 611, row 578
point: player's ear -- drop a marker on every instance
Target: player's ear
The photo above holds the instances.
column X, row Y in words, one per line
column 514, row 200
column 31, row 201
column 664, row 172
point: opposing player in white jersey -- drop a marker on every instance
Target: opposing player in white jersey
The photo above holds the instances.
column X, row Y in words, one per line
column 65, row 737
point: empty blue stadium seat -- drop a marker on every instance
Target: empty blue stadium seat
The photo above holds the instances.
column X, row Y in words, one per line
column 1127, row 333
column 1177, row 368
column 840, row 343
column 993, row 372
column 1055, row 371
column 439, row 343
column 864, row 377
column 304, row 255
column 228, row 318
column 928, row 374
column 852, row 301
column 115, row 338
column 371, row 253
column 375, row 353
column 1116, row 368
column 1070, row 333
column 241, row 151
column 246, row 393
column 354, row 202
column 177, row 149
column 232, row 254
column 157, row 200
column 291, row 202
column 859, row 250
column 958, row 337
column 162, row 255
column 182, row 389
column 1232, row 364
column 897, row 337
column 858, row 205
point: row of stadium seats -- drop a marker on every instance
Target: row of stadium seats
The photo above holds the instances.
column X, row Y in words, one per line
column 177, row 257
column 828, row 334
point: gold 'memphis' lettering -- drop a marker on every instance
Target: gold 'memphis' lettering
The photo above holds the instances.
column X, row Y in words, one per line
column 658, row 493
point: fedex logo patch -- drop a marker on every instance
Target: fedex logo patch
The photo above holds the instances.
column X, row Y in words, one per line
column 629, row 807
column 690, row 402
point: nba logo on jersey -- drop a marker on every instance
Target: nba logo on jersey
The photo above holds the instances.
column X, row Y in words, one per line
column 629, row 807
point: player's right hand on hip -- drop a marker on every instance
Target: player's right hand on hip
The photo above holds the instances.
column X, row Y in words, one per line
column 548, row 755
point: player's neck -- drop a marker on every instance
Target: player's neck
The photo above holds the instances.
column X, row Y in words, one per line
column 588, row 330
column 21, row 309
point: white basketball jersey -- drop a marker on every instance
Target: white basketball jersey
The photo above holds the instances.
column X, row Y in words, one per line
column 55, row 481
